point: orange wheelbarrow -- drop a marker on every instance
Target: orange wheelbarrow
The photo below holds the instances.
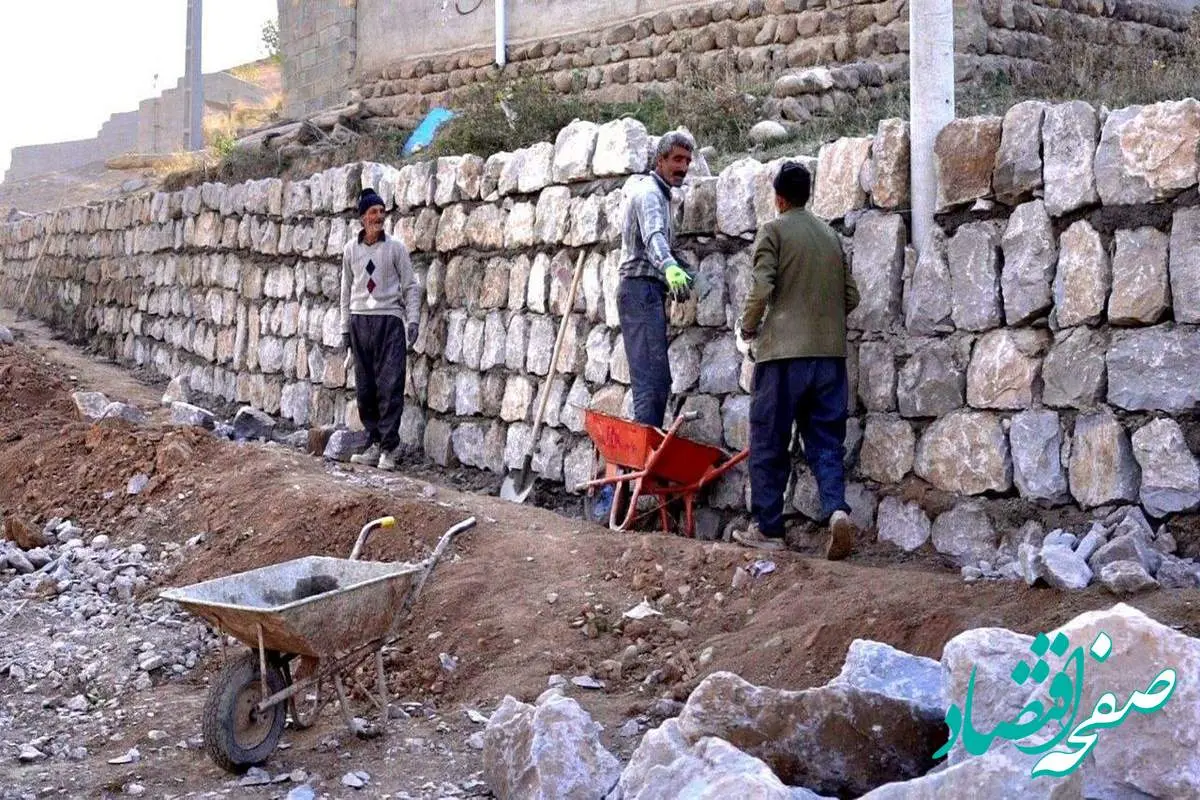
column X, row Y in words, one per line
column 640, row 460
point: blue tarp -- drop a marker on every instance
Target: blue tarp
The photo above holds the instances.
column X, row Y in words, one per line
column 422, row 137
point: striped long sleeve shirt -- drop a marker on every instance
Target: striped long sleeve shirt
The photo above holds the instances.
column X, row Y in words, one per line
column 646, row 236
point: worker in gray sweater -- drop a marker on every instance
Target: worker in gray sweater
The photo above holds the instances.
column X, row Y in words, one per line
column 380, row 313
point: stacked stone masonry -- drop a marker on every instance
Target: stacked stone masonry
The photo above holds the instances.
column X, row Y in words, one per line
column 1044, row 347
column 861, row 45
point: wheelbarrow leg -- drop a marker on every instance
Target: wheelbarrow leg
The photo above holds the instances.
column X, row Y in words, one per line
column 383, row 689
column 344, row 703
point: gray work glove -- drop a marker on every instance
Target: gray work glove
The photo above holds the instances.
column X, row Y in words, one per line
column 411, row 332
column 348, row 364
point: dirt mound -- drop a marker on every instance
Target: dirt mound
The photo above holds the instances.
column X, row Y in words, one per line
column 527, row 593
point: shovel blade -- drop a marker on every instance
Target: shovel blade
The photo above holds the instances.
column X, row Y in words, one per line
column 517, row 485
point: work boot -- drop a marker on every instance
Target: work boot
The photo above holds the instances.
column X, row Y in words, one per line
column 368, row 457
column 753, row 537
column 841, row 536
column 387, row 460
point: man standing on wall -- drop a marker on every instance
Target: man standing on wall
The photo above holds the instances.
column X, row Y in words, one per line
column 380, row 309
column 649, row 272
column 796, row 312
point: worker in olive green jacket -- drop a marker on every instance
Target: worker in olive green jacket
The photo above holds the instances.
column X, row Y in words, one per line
column 795, row 313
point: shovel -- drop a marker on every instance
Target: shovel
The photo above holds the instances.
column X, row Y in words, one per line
column 518, row 484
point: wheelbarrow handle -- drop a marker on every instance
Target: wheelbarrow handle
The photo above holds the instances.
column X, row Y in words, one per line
column 365, row 533
column 431, row 562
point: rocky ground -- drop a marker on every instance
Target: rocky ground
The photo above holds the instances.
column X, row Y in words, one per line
column 103, row 683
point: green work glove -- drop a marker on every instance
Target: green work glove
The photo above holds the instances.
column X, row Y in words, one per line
column 678, row 281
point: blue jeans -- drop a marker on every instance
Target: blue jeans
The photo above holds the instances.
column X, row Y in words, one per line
column 812, row 392
column 642, row 309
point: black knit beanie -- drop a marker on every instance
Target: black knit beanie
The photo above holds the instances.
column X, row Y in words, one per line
column 366, row 199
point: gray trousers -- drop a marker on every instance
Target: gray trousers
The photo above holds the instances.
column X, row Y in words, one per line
column 380, row 362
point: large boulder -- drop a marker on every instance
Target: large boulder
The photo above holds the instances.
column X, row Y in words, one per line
column 665, row 766
column 879, row 667
column 834, row 739
column 546, row 751
column 1073, row 372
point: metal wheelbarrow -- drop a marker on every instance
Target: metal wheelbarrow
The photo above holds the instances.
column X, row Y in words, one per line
column 309, row 623
column 642, row 460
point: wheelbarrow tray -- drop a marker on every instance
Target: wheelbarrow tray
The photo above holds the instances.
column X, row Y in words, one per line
column 311, row 606
column 630, row 444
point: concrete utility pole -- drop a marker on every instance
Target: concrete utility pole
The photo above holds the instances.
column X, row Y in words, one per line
column 501, row 33
column 193, row 92
column 931, row 96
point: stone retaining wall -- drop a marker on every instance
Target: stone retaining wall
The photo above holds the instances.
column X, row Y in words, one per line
column 761, row 40
column 1044, row 346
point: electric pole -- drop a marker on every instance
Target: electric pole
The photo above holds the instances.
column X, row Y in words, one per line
column 931, row 97
column 193, row 92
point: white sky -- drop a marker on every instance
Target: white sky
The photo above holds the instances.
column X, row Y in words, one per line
column 66, row 65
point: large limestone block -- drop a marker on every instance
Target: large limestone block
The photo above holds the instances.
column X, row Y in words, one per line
column 1036, row 441
column 1030, row 255
column 933, row 380
column 964, row 155
column 834, row 739
column 889, row 165
column 735, row 197
column 1185, row 264
column 974, row 259
column 548, row 751
column 1005, row 367
column 1149, row 153
column 838, row 190
column 574, row 149
column 1073, row 372
column 1069, row 133
column 1170, row 473
column 1018, row 169
column 965, row 452
column 1083, row 278
column 1102, row 467
column 621, row 147
column 928, row 297
column 878, row 270
column 1141, row 292
column 888, row 449
column 1154, row 369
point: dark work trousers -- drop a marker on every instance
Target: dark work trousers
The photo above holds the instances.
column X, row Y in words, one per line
column 812, row 392
column 642, row 308
column 378, row 342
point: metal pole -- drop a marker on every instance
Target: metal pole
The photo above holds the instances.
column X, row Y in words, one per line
column 193, row 95
column 931, row 97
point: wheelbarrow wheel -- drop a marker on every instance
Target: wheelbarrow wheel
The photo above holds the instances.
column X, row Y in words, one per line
column 305, row 706
column 237, row 736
